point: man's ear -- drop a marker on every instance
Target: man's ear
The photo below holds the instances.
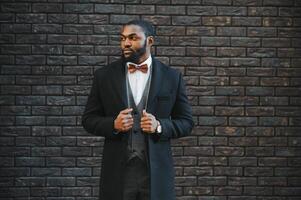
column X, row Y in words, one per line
column 150, row 40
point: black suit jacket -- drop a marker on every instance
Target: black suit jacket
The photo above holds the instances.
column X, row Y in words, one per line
column 167, row 102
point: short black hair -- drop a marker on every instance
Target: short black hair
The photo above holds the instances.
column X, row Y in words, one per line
column 147, row 27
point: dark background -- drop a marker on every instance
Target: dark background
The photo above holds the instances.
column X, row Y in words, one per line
column 241, row 61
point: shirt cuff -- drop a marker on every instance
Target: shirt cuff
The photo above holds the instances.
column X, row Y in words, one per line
column 115, row 132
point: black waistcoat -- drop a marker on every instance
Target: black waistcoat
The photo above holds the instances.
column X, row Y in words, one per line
column 136, row 139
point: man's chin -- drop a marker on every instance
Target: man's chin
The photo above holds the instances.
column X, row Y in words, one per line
column 126, row 55
column 130, row 58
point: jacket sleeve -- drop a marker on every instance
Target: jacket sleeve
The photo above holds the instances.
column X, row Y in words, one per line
column 94, row 119
column 180, row 123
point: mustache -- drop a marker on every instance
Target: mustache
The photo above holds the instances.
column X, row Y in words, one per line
column 127, row 49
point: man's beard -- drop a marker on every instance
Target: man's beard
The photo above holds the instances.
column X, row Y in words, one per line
column 135, row 55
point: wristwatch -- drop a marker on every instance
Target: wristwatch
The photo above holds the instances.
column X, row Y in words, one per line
column 159, row 127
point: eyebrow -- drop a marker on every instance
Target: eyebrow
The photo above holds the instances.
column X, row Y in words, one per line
column 132, row 34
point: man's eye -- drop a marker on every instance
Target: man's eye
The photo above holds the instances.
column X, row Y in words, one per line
column 122, row 38
column 133, row 38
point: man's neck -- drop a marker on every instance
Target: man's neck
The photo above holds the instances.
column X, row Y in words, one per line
column 143, row 58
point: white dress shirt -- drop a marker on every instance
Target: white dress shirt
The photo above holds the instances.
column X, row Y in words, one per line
column 138, row 79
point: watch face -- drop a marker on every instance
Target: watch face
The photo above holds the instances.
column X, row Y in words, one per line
column 159, row 129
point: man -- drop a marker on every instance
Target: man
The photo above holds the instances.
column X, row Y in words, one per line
column 138, row 104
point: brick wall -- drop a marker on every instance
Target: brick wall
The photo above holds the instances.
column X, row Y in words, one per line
column 241, row 61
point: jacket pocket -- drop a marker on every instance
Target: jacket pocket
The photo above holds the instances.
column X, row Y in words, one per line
column 163, row 98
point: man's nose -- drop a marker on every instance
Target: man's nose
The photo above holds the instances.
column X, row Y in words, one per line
column 127, row 43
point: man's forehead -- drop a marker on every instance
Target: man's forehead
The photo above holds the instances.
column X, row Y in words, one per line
column 131, row 30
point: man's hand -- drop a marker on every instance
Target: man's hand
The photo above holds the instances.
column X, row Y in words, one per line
column 148, row 122
column 124, row 120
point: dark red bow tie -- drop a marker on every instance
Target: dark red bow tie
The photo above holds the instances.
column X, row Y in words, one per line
column 132, row 68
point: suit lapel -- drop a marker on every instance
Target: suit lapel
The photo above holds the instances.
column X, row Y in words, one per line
column 157, row 79
column 119, row 84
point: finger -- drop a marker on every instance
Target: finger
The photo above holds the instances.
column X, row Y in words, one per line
column 130, row 123
column 147, row 117
column 126, row 128
column 144, row 113
column 144, row 128
column 126, row 116
column 127, row 120
column 123, row 121
column 143, row 119
column 146, row 123
column 129, row 116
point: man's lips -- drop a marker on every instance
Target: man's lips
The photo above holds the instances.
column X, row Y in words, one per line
column 127, row 51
